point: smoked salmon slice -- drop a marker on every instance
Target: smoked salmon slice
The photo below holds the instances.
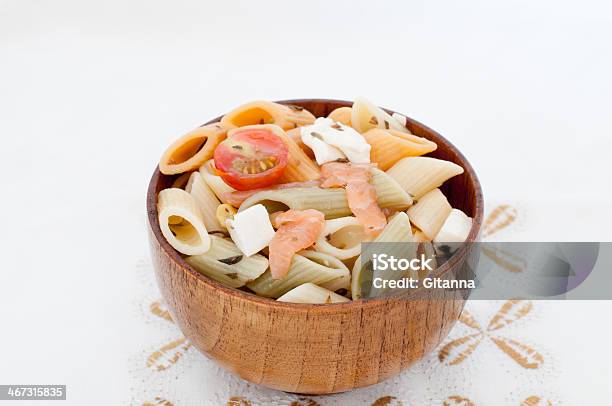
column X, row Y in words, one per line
column 297, row 229
column 360, row 193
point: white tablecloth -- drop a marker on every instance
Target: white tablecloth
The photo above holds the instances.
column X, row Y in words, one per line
column 92, row 92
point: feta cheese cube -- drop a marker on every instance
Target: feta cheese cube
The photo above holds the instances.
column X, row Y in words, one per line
column 456, row 227
column 251, row 229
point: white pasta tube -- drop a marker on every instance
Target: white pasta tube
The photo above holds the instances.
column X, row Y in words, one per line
column 341, row 238
column 225, row 263
column 214, row 181
column 365, row 115
column 206, row 200
column 302, row 270
column 419, row 175
column 181, row 222
column 330, row 261
column 311, row 293
column 430, row 212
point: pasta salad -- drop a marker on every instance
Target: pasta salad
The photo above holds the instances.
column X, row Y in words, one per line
column 275, row 201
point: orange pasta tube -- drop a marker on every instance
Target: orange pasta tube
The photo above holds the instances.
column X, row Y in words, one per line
column 191, row 150
column 297, row 115
column 299, row 168
column 296, row 136
column 342, row 115
column 266, row 112
column 389, row 146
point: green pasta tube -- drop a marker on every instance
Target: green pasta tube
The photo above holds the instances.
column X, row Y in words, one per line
column 397, row 230
column 331, row 202
column 226, row 264
column 302, row 270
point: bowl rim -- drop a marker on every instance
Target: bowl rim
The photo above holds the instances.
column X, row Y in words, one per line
column 153, row 224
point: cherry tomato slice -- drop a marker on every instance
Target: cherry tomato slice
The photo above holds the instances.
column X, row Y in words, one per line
column 251, row 158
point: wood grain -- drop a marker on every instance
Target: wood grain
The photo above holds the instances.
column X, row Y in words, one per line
column 316, row 349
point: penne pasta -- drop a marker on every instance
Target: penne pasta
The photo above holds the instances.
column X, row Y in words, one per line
column 225, row 263
column 430, row 212
column 341, row 238
column 296, row 136
column 389, row 146
column 400, row 119
column 365, row 115
column 341, row 115
column 266, row 112
column 302, row 270
column 390, row 193
column 300, row 168
column 257, row 112
column 224, row 212
column 419, row 175
column 206, row 200
column 330, row 261
column 221, row 189
column 398, row 230
column 181, row 222
column 291, row 212
column 331, row 202
column 191, row 150
column 311, row 293
column 298, row 115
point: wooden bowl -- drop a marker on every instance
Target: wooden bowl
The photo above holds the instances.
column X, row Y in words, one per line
column 315, row 349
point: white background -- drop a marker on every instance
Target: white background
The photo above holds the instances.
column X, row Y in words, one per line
column 91, row 93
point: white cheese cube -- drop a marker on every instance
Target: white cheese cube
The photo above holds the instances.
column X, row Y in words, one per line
column 251, row 229
column 454, row 231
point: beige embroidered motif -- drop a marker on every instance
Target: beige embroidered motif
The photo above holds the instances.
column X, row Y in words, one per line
column 457, row 401
column 158, row 309
column 536, row 401
column 238, row 401
column 501, row 217
column 158, row 402
column 461, row 348
column 170, row 353
column 504, row 259
column 304, row 402
column 387, row 401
